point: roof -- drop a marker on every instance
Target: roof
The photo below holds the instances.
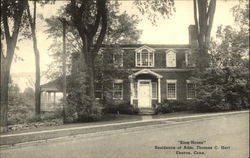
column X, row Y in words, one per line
column 54, row 85
column 145, row 71
column 152, row 45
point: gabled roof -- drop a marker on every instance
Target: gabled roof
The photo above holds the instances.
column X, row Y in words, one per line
column 145, row 71
column 144, row 47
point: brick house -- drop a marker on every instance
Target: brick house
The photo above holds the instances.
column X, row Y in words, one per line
column 157, row 73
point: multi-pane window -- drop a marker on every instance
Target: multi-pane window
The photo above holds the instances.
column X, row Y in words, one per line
column 118, row 59
column 135, row 90
column 144, row 58
column 98, row 91
column 118, row 90
column 154, row 90
column 189, row 59
column 171, row 59
column 171, row 89
column 190, row 90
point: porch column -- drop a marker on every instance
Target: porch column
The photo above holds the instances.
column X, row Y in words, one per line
column 42, row 97
column 159, row 90
column 45, row 100
column 45, row 97
column 54, row 97
column 49, row 97
column 131, row 91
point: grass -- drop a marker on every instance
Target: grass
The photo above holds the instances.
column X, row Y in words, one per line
column 107, row 119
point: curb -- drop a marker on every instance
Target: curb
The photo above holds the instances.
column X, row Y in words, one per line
column 38, row 137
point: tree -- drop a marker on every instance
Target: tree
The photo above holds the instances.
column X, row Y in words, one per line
column 88, row 16
column 224, row 85
column 121, row 29
column 203, row 16
column 32, row 23
column 11, row 12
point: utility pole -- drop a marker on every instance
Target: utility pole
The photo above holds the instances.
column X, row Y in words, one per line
column 63, row 20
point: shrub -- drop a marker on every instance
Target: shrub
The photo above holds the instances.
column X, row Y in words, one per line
column 221, row 90
column 120, row 107
column 168, row 106
column 19, row 111
column 93, row 113
column 182, row 105
column 164, row 107
column 80, row 107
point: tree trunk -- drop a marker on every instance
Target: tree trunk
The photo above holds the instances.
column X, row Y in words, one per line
column 91, row 76
column 37, row 84
column 203, row 59
column 37, row 59
column 64, row 70
column 5, row 77
column 5, row 73
column 203, row 17
column 89, row 65
column 11, row 41
column 87, row 35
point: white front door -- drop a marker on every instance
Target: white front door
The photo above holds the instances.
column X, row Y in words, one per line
column 144, row 94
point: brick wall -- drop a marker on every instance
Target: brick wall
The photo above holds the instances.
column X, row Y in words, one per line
column 181, row 78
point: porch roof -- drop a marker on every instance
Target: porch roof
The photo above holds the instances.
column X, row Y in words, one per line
column 52, row 86
column 145, row 71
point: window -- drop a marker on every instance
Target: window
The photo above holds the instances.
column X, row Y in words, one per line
column 154, row 90
column 98, row 91
column 118, row 89
column 189, row 59
column 171, row 59
column 135, row 90
column 144, row 58
column 171, row 89
column 190, row 90
column 118, row 59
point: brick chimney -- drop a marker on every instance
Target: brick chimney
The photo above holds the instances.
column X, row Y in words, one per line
column 192, row 36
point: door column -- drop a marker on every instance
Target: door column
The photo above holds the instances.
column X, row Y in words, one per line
column 159, row 90
column 131, row 90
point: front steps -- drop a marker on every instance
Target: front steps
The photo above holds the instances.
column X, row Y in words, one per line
column 146, row 111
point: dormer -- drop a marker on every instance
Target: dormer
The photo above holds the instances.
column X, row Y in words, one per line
column 144, row 57
column 171, row 58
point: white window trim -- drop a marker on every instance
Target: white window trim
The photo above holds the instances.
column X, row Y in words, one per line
column 172, row 81
column 140, row 52
column 101, row 90
column 187, row 82
column 167, row 52
column 186, row 58
column 154, row 98
column 118, row 81
column 121, row 65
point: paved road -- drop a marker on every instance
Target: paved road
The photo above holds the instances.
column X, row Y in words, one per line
column 218, row 137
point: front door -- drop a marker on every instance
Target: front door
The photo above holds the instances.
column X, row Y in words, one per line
column 144, row 94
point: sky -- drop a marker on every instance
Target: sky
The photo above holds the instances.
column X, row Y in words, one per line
column 166, row 31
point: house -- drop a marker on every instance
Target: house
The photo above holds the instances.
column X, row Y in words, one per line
column 157, row 73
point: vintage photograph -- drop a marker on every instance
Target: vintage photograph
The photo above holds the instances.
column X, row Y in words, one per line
column 124, row 79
